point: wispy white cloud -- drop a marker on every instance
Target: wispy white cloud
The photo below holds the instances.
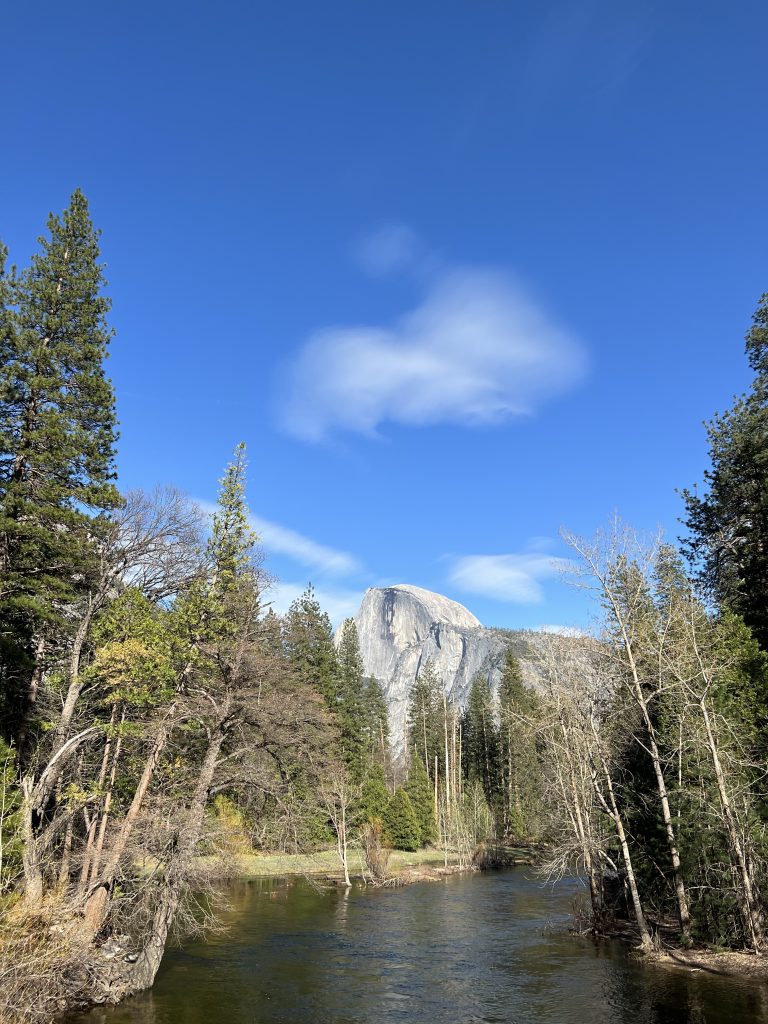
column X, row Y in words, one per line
column 516, row 578
column 303, row 550
column 340, row 603
column 477, row 350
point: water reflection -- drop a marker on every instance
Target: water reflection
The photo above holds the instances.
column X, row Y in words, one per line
column 487, row 948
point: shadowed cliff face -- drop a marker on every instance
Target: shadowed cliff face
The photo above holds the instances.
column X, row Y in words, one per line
column 403, row 627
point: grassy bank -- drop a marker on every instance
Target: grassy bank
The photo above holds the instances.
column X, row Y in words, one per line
column 326, row 862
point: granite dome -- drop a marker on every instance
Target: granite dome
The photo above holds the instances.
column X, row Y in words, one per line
column 402, row 627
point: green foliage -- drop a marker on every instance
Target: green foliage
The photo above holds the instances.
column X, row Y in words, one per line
column 519, row 712
column 426, row 717
column 230, row 550
column 360, row 707
column 728, row 523
column 422, row 799
column 374, row 795
column 57, row 436
column 296, row 823
column 134, row 657
column 741, row 689
column 694, row 666
column 10, row 819
column 221, row 609
column 308, row 645
column 481, row 741
column 349, row 703
column 375, row 720
column 232, row 825
column 401, row 829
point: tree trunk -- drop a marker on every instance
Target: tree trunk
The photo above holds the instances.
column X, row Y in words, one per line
column 424, row 729
column 75, row 686
column 30, row 856
column 749, row 904
column 612, row 809
column 91, row 824
column 23, row 738
column 661, row 785
column 579, row 821
column 143, row 973
column 97, row 902
column 447, row 779
column 34, row 799
column 99, row 847
column 342, row 841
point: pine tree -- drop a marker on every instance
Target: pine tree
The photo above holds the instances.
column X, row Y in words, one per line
column 307, row 639
column 422, row 799
column 374, row 795
column 224, row 603
column 57, row 437
column 728, row 524
column 308, row 645
column 481, row 743
column 376, row 720
column 350, row 700
column 401, row 829
column 520, row 768
column 425, row 717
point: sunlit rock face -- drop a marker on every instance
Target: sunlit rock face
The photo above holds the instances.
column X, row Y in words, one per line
column 403, row 627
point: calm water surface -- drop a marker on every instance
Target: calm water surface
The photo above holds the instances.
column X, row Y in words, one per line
column 488, row 947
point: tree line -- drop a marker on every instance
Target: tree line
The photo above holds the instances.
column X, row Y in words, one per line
column 480, row 761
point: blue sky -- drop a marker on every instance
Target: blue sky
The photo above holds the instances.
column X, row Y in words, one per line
column 458, row 273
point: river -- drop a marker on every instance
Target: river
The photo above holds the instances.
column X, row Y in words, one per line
column 490, row 948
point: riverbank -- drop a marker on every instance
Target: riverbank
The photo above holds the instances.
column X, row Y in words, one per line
column 727, row 963
column 734, row 963
column 403, row 866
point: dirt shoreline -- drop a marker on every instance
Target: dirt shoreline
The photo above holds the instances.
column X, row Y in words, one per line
column 727, row 963
column 735, row 963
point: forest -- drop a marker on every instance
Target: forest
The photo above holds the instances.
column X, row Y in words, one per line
column 158, row 718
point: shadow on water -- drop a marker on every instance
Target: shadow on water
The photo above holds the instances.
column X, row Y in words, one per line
column 480, row 948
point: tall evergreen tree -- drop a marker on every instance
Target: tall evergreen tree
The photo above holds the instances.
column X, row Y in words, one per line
column 481, row 743
column 308, row 645
column 401, row 828
column 307, row 638
column 422, row 800
column 728, row 523
column 376, row 720
column 57, row 437
column 374, row 795
column 520, row 768
column 350, row 700
column 425, row 717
